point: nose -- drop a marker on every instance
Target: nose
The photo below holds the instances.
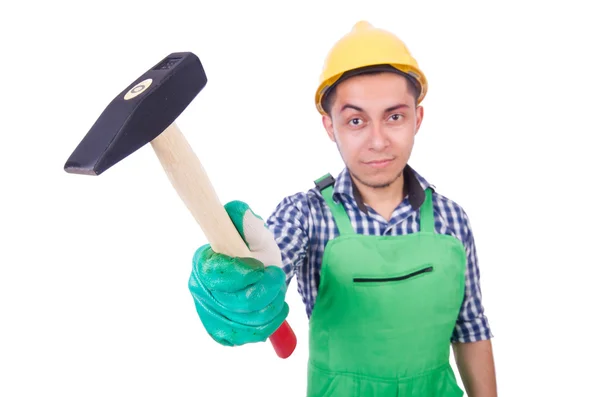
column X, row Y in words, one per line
column 378, row 139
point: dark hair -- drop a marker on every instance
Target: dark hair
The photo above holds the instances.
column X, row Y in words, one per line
column 329, row 97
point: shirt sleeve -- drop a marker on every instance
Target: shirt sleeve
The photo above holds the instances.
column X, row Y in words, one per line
column 289, row 225
column 472, row 324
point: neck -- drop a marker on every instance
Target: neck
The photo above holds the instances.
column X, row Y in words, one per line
column 383, row 200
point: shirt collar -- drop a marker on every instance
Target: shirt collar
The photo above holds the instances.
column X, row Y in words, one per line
column 415, row 186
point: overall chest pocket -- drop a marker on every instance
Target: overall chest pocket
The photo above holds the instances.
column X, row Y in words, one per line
column 396, row 278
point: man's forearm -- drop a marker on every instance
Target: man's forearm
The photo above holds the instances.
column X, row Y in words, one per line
column 475, row 362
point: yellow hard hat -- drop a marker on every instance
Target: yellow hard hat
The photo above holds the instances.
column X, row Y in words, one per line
column 367, row 46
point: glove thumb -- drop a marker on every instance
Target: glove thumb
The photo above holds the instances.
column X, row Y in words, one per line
column 258, row 238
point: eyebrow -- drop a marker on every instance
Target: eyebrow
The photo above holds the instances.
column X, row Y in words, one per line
column 359, row 109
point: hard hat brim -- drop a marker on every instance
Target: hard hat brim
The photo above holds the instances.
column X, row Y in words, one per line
column 367, row 70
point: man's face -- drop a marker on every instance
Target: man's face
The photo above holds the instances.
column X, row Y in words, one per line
column 374, row 120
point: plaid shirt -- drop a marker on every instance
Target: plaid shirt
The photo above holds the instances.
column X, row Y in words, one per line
column 302, row 224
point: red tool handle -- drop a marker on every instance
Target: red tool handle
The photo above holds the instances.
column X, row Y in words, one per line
column 283, row 340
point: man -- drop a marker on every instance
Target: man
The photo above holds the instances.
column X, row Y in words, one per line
column 386, row 266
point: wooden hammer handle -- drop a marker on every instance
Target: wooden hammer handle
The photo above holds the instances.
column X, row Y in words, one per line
column 188, row 177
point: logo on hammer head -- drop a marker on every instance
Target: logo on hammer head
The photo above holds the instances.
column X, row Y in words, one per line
column 138, row 89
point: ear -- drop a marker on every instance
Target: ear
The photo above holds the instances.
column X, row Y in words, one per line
column 419, row 120
column 328, row 124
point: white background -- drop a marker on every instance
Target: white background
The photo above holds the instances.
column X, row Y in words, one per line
column 94, row 270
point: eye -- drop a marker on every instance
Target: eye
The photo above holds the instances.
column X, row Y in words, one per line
column 396, row 116
column 355, row 122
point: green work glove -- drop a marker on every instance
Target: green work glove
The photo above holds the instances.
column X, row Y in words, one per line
column 240, row 300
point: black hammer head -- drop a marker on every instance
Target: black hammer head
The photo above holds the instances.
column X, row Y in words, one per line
column 139, row 113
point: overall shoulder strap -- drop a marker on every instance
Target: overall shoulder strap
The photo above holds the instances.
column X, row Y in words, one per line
column 426, row 211
column 325, row 185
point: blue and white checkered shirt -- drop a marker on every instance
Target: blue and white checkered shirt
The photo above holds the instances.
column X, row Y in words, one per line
column 302, row 224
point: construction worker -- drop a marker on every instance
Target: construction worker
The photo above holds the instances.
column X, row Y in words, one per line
column 386, row 266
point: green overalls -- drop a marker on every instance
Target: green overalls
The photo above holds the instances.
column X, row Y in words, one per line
column 385, row 311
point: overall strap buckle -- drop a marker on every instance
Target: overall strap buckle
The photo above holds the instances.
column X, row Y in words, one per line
column 324, row 182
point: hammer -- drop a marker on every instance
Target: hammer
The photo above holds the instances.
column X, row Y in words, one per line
column 145, row 112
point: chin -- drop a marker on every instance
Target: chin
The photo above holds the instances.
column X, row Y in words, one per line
column 378, row 179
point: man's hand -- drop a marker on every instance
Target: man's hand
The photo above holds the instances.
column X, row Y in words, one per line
column 475, row 362
column 240, row 300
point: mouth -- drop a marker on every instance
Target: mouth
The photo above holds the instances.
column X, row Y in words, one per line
column 379, row 163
